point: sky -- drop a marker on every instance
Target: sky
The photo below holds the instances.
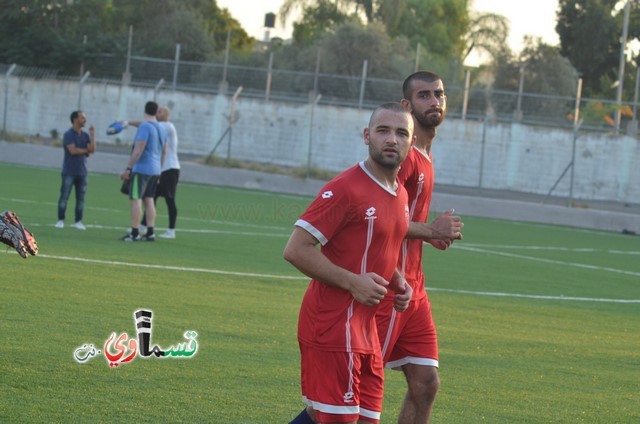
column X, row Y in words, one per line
column 527, row 17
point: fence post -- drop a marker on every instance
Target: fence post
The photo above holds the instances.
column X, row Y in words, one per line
column 156, row 88
column 223, row 86
column 175, row 67
column 518, row 112
column 81, row 85
column 232, row 120
column 465, row 99
column 311, row 121
column 576, row 126
column 126, row 77
column 269, row 75
column 6, row 99
column 363, row 83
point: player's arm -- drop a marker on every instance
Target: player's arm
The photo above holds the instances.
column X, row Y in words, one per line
column 442, row 231
column 302, row 252
column 138, row 148
column 75, row 150
column 403, row 291
column 164, row 152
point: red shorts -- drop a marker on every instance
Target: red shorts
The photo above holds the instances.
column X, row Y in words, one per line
column 341, row 386
column 407, row 337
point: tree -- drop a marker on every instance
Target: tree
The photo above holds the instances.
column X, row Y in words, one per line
column 544, row 71
column 487, row 33
column 316, row 20
column 50, row 34
column 590, row 39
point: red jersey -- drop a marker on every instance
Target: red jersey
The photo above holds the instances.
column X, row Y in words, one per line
column 416, row 174
column 360, row 225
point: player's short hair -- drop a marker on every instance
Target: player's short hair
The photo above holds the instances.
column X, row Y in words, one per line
column 151, row 108
column 392, row 106
column 74, row 115
column 426, row 76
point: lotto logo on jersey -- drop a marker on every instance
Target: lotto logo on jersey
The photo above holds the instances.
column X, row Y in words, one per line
column 348, row 397
column 407, row 215
column 421, row 177
column 370, row 213
column 327, row 194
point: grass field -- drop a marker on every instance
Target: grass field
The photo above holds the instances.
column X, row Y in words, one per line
column 536, row 323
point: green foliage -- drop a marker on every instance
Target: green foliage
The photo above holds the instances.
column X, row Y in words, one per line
column 590, row 39
column 52, row 34
column 438, row 25
column 316, row 20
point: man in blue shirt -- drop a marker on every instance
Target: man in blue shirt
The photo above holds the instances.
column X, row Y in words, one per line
column 78, row 145
column 143, row 170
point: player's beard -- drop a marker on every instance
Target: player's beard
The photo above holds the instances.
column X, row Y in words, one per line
column 431, row 118
column 389, row 162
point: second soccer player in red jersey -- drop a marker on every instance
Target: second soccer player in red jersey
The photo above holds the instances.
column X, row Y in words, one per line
column 409, row 338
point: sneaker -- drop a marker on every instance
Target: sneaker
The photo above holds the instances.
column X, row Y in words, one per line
column 147, row 237
column 169, row 234
column 9, row 237
column 60, row 224
column 80, row 226
column 129, row 237
column 27, row 238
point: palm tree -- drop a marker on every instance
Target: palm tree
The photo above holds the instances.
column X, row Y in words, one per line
column 488, row 33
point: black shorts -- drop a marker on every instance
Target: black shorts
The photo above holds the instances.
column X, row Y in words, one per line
column 143, row 186
column 168, row 183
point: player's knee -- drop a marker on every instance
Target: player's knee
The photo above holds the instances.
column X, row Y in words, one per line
column 425, row 387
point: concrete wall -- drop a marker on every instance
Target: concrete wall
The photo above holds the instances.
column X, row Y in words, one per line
column 512, row 157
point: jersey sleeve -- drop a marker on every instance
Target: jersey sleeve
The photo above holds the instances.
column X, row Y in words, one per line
column 327, row 214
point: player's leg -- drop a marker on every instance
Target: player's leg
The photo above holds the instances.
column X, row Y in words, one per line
column 329, row 385
column 80, row 183
column 423, row 383
column 416, row 353
column 65, row 192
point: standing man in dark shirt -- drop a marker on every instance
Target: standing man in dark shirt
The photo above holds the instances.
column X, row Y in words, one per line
column 78, row 145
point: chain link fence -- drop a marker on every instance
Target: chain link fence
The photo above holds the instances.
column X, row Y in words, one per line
column 361, row 91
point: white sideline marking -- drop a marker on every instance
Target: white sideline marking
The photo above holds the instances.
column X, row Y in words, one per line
column 534, row 296
column 550, row 261
column 548, row 248
column 303, row 278
column 174, row 268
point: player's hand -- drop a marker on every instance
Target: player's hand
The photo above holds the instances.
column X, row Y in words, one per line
column 440, row 244
column 447, row 226
column 92, row 130
column 368, row 289
column 125, row 174
column 404, row 292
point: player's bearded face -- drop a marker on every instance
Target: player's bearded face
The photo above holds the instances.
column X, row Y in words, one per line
column 390, row 141
column 429, row 118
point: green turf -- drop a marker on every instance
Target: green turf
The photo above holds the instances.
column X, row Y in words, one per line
column 561, row 358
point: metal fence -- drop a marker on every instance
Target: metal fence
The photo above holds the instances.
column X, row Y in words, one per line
column 362, row 91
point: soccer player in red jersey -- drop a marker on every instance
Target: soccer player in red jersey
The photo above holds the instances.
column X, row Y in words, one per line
column 360, row 219
column 409, row 338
